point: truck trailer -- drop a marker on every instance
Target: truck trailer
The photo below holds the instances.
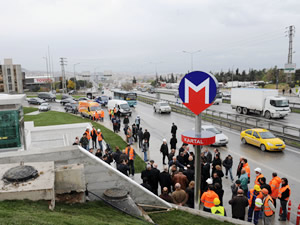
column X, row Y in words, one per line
column 265, row 102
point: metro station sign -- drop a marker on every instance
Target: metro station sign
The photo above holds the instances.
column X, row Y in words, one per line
column 198, row 91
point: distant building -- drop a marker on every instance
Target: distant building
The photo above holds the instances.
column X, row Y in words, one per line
column 11, row 77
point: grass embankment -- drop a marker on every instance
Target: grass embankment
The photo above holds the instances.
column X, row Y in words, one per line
column 27, row 110
column 33, row 213
column 182, row 218
column 59, row 118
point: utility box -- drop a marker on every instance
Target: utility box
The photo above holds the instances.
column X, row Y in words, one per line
column 12, row 122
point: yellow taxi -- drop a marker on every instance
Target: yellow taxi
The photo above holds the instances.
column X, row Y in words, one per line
column 263, row 139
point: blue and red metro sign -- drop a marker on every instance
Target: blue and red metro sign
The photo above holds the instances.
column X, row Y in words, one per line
column 198, row 91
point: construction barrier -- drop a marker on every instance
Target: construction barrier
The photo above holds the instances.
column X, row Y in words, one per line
column 298, row 216
column 289, row 210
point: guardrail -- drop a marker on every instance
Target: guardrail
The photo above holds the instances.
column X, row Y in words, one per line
column 235, row 121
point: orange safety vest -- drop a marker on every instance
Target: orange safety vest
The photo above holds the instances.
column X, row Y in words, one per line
column 100, row 136
column 130, row 154
column 257, row 177
column 88, row 136
column 275, row 185
column 96, row 115
column 92, row 132
column 267, row 210
column 252, row 195
column 115, row 110
column 283, row 189
column 128, row 133
column 208, row 198
column 247, row 168
column 102, row 114
column 109, row 112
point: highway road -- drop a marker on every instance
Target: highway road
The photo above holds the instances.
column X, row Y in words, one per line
column 293, row 119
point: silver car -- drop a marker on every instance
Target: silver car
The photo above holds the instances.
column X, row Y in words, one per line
column 44, row 107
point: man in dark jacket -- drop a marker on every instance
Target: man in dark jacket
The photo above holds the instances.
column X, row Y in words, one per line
column 141, row 137
column 147, row 135
column 146, row 184
column 180, row 158
column 84, row 142
column 126, row 121
column 123, row 168
column 148, row 174
column 94, row 137
column 263, row 185
column 173, row 142
column 155, row 177
column 205, row 173
column 189, row 173
column 238, row 205
column 116, row 155
column 173, row 129
column 208, row 156
column 227, row 163
column 164, row 150
column 165, row 179
column 165, row 195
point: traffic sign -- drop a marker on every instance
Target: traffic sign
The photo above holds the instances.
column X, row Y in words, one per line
column 198, row 91
column 290, row 68
column 204, row 138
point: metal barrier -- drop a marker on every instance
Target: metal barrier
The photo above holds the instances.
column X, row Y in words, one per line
column 234, row 120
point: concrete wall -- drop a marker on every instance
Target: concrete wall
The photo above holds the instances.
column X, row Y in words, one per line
column 98, row 174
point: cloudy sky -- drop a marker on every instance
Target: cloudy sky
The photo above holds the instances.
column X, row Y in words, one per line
column 135, row 36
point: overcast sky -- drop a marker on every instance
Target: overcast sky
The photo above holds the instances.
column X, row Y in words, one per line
column 127, row 35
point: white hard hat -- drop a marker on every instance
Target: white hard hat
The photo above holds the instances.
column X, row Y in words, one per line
column 87, row 128
column 258, row 170
column 209, row 181
column 258, row 202
column 98, row 130
column 164, row 140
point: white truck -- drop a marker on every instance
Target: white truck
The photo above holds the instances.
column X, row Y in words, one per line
column 265, row 102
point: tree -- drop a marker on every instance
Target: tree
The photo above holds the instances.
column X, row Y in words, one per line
column 134, row 80
column 89, row 85
column 127, row 86
column 100, row 86
column 71, row 85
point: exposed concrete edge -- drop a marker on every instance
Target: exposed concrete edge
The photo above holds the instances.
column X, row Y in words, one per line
column 62, row 126
column 209, row 215
column 112, row 169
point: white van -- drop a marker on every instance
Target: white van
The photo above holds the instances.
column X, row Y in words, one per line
column 119, row 104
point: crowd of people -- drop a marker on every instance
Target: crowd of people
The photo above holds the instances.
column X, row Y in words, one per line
column 176, row 182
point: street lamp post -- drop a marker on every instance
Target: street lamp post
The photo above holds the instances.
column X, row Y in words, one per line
column 192, row 59
column 47, row 68
column 74, row 65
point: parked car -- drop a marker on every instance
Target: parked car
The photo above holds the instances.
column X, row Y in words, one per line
column 263, row 139
column 71, row 107
column 221, row 139
column 47, row 96
column 82, row 99
column 45, row 107
column 218, row 99
column 162, row 107
column 71, row 92
column 65, row 96
column 35, row 101
column 67, row 100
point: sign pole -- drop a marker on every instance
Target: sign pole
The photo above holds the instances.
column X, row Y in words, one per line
column 197, row 192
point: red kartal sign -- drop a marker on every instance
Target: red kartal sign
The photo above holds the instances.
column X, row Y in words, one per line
column 205, row 138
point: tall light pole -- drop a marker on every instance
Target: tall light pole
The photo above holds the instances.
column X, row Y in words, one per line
column 46, row 59
column 232, row 76
column 191, row 53
column 74, row 65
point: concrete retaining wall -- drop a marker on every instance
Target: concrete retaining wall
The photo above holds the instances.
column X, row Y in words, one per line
column 98, row 174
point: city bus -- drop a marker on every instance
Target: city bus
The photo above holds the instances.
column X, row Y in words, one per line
column 130, row 97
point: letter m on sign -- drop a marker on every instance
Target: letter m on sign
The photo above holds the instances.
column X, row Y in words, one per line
column 196, row 97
